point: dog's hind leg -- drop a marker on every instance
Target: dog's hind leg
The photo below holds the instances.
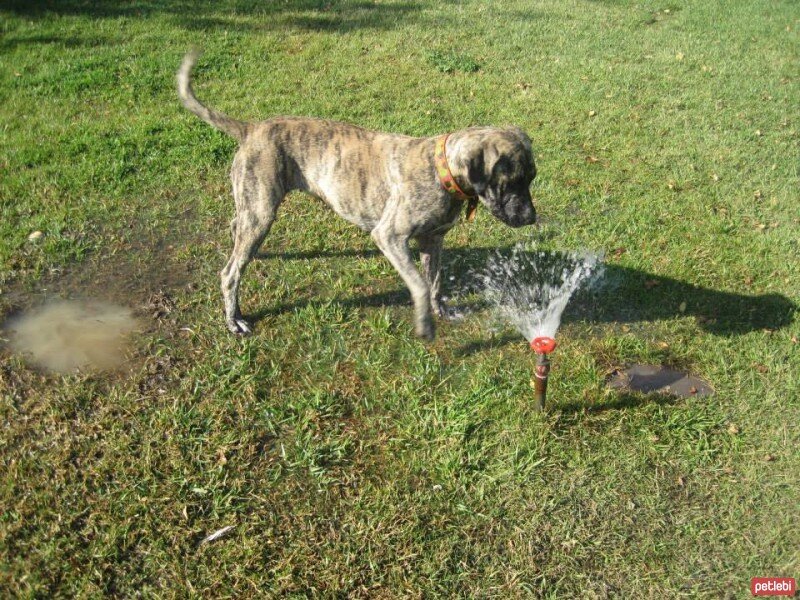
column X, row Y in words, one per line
column 256, row 205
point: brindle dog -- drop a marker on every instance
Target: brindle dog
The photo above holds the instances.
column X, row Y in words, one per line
column 385, row 183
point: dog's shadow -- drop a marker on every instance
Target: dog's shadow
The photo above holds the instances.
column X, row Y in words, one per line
column 622, row 295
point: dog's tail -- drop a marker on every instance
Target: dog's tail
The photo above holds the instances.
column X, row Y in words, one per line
column 232, row 127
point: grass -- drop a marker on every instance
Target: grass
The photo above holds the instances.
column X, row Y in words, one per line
column 352, row 459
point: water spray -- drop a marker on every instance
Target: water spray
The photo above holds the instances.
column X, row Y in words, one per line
column 542, row 346
column 529, row 289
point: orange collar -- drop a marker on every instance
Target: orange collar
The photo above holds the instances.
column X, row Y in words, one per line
column 448, row 181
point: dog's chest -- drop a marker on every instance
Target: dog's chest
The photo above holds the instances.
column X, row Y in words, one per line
column 447, row 220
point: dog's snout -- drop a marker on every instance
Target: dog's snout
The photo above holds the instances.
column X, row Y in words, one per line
column 528, row 212
column 521, row 215
column 534, row 216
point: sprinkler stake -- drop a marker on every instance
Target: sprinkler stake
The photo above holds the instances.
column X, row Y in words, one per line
column 542, row 346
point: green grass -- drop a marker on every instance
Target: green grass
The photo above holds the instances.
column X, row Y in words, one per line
column 352, row 459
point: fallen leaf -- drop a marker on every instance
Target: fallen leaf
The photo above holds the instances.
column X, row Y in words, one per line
column 617, row 252
column 733, row 429
column 760, row 368
column 663, row 345
column 794, row 339
column 592, row 159
column 681, row 481
column 769, row 458
column 692, row 390
column 651, row 283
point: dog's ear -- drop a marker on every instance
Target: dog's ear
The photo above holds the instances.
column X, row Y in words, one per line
column 476, row 171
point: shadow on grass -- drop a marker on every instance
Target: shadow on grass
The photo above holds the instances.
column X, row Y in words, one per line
column 574, row 414
column 622, row 295
column 10, row 43
column 395, row 298
column 208, row 15
column 621, row 401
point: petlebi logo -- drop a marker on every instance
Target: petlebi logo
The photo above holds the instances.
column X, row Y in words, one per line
column 772, row 586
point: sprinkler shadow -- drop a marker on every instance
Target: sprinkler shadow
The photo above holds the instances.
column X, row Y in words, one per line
column 621, row 295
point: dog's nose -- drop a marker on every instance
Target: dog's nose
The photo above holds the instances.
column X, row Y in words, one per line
column 530, row 217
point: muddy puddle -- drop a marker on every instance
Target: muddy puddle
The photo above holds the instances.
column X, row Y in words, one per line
column 657, row 379
column 71, row 335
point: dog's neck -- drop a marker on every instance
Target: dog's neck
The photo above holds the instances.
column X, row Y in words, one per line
column 447, row 179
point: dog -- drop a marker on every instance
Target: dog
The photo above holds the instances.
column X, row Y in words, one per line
column 395, row 187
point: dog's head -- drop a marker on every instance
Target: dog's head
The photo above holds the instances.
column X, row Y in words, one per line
column 498, row 165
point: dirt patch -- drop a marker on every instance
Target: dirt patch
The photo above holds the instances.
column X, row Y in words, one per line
column 659, row 380
column 66, row 336
column 84, row 316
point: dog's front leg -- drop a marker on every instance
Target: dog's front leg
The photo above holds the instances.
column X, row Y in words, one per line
column 430, row 255
column 395, row 247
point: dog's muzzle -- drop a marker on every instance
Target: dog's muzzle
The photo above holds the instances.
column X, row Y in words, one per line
column 515, row 211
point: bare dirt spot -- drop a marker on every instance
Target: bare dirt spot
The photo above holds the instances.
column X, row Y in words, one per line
column 659, row 380
column 67, row 336
column 89, row 316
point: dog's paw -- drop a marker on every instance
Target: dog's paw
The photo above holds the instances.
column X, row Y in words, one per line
column 239, row 326
column 425, row 329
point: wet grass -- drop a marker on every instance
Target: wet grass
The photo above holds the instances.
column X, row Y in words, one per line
column 350, row 458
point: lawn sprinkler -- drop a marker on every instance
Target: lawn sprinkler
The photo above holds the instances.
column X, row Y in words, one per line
column 542, row 346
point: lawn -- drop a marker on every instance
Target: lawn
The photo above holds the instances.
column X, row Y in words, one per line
column 350, row 458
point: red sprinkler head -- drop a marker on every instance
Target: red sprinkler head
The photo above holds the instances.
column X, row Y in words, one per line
column 543, row 345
